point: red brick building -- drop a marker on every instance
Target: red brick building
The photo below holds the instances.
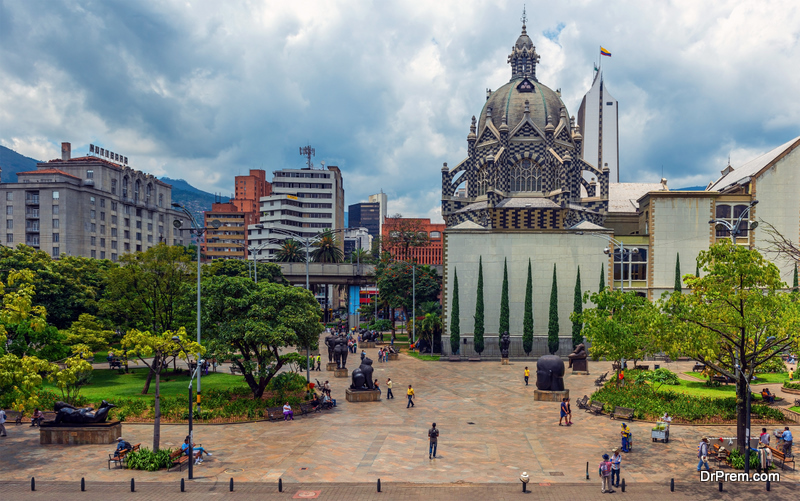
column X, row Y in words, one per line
column 399, row 240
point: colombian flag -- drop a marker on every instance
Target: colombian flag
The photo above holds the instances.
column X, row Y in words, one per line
column 604, row 52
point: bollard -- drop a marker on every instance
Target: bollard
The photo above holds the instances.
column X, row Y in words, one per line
column 379, row 485
column 524, row 487
column 133, row 486
column 720, row 486
column 623, row 485
column 83, row 484
column 587, row 470
column 280, row 485
column 672, row 485
column 231, row 486
column 768, row 486
column 183, row 486
column 33, row 483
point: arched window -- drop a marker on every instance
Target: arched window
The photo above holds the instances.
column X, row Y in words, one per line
column 557, row 178
column 125, row 187
column 148, row 191
column 136, row 189
column 161, row 200
column 526, row 176
column 483, row 180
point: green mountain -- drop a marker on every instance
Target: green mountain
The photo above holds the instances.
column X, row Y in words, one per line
column 195, row 200
column 12, row 162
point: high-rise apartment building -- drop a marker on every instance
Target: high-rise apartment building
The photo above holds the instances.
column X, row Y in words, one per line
column 395, row 244
column 598, row 118
column 382, row 200
column 249, row 190
column 90, row 206
column 303, row 201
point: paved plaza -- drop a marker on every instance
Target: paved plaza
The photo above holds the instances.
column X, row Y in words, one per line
column 491, row 431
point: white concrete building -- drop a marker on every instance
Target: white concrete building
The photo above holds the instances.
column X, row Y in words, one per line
column 598, row 118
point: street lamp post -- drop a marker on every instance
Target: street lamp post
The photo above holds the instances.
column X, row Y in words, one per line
column 199, row 231
column 735, row 229
column 190, row 451
column 413, row 303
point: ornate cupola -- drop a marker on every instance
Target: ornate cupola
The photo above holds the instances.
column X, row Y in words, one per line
column 523, row 57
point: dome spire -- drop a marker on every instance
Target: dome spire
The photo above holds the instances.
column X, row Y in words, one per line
column 523, row 57
column 524, row 20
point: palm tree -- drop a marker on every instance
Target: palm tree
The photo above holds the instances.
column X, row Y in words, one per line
column 291, row 251
column 327, row 250
column 361, row 256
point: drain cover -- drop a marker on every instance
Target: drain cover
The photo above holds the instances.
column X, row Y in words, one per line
column 556, row 473
column 470, row 422
column 234, row 470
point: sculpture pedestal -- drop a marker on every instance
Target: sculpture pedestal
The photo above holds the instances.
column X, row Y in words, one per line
column 340, row 373
column 362, row 395
column 392, row 356
column 504, row 361
column 80, row 434
column 580, row 365
column 454, row 358
column 331, row 366
column 366, row 344
column 549, row 396
column 580, row 373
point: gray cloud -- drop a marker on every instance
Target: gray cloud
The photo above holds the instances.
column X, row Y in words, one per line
column 204, row 90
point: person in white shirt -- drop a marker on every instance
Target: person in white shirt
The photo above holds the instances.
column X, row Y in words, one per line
column 616, row 460
column 287, row 412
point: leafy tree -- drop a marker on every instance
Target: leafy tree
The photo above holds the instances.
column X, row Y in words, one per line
column 455, row 327
column 156, row 352
column 622, row 325
column 678, row 273
column 504, row 311
column 552, row 326
column 400, row 234
column 395, row 284
column 362, row 256
column 736, row 314
column 20, row 378
column 430, row 326
column 326, row 249
column 577, row 309
column 150, row 290
column 75, row 374
column 251, row 324
column 268, row 272
column 602, row 278
column 527, row 320
column 87, row 330
column 479, row 326
column 291, row 251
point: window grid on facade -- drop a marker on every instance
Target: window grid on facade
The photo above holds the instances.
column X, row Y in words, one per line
column 526, row 176
column 483, row 180
column 731, row 214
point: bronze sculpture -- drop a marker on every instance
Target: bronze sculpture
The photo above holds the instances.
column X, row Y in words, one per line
column 550, row 373
column 340, row 352
column 66, row 413
column 505, row 342
column 330, row 342
column 577, row 359
column 362, row 376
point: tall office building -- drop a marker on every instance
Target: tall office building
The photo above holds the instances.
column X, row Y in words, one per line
column 382, row 200
column 91, row 206
column 303, row 201
column 366, row 215
column 598, row 118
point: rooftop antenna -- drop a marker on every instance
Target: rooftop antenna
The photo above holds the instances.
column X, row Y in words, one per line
column 524, row 17
column 308, row 152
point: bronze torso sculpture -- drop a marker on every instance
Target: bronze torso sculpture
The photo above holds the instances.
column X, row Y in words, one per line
column 66, row 413
column 577, row 359
column 550, row 373
column 340, row 352
column 505, row 342
column 362, row 377
column 330, row 341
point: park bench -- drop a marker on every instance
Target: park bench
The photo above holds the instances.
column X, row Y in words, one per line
column 797, row 402
column 622, row 413
column 275, row 413
column 119, row 458
column 721, row 379
column 16, row 416
column 779, row 455
column 178, row 458
column 235, row 369
column 698, row 367
column 596, row 407
column 583, row 403
column 642, row 367
column 602, row 379
column 615, row 366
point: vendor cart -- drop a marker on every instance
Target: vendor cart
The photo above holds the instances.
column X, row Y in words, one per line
column 660, row 432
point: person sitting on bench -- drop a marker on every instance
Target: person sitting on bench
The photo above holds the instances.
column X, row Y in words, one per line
column 287, row 412
column 198, row 451
column 38, row 417
column 767, row 396
column 315, row 402
column 122, row 446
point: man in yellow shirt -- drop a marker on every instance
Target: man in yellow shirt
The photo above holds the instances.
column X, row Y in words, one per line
column 410, row 394
column 527, row 375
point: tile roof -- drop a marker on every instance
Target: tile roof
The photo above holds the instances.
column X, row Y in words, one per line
column 48, row 171
column 534, row 202
column 622, row 197
column 752, row 167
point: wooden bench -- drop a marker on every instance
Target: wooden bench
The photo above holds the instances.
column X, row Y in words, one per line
column 583, row 403
column 16, row 415
column 764, row 398
column 642, row 367
column 178, row 458
column 622, row 413
column 779, row 455
column 722, row 379
column 119, row 458
column 274, row 413
column 235, row 369
column 596, row 407
column 698, row 367
column 602, row 379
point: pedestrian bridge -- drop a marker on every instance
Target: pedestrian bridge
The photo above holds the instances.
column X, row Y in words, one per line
column 332, row 273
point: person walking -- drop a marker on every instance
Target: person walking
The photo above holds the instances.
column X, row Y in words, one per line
column 410, row 394
column 319, row 362
column 527, row 375
column 616, row 461
column 3, row 423
column 764, row 437
column 605, row 475
column 433, row 436
column 702, row 454
column 377, row 387
column 569, row 413
column 389, row 389
column 563, row 412
column 787, row 441
column 625, row 433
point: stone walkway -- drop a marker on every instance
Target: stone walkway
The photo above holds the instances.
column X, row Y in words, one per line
column 491, row 431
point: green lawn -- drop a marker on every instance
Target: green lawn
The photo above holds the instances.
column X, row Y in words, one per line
column 768, row 378
column 699, row 388
column 110, row 384
column 434, row 358
column 796, row 409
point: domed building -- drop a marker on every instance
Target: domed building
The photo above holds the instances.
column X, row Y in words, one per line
column 523, row 168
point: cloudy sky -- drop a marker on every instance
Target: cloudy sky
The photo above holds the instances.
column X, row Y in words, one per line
column 204, row 90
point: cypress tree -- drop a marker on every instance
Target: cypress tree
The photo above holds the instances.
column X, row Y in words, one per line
column 504, row 314
column 697, row 270
column 552, row 328
column 527, row 321
column 479, row 329
column 455, row 328
column 577, row 308
column 678, row 273
column 602, row 278
column 794, row 284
